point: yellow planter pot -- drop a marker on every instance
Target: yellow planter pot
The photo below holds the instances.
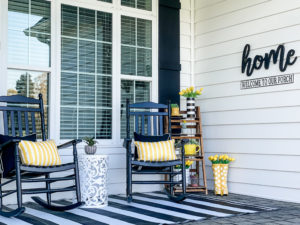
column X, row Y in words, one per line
column 220, row 172
column 217, row 178
column 175, row 112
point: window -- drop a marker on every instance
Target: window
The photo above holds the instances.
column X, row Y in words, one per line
column 109, row 1
column 29, row 49
column 136, row 61
column 136, row 49
column 139, row 4
column 86, row 73
column 84, row 68
column 135, row 91
column 29, row 32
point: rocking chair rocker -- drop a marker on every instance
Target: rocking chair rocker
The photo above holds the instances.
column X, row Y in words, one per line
column 151, row 120
column 15, row 115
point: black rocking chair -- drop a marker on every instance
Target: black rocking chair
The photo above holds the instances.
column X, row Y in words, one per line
column 17, row 112
column 149, row 116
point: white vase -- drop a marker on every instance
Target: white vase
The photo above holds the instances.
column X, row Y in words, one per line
column 190, row 108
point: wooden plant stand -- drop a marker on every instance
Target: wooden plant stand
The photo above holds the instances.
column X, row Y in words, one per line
column 199, row 157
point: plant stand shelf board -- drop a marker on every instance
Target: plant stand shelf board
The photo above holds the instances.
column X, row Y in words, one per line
column 199, row 157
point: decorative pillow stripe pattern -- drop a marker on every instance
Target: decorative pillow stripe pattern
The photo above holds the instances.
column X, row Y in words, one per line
column 156, row 151
column 42, row 153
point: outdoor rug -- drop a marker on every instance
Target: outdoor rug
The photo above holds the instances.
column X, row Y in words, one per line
column 147, row 208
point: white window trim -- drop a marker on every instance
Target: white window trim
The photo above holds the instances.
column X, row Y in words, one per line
column 55, row 70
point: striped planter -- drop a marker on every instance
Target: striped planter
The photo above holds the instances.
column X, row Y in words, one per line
column 190, row 108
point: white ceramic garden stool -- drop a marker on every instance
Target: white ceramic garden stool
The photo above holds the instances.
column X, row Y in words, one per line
column 93, row 180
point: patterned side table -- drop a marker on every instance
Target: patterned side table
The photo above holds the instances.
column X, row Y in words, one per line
column 93, row 177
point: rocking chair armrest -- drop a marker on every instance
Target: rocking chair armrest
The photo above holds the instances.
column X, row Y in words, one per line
column 127, row 141
column 69, row 143
column 2, row 146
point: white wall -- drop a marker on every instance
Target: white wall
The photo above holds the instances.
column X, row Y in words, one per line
column 186, row 43
column 260, row 127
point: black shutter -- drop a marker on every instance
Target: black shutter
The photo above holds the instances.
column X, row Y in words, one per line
column 169, row 51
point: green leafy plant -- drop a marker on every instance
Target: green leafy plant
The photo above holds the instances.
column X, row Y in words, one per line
column 90, row 141
column 192, row 142
column 174, row 106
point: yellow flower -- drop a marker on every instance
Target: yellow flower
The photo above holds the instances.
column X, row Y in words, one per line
column 201, row 89
column 216, row 156
column 180, row 93
column 198, row 92
column 211, row 158
column 233, row 159
column 221, row 157
column 192, row 88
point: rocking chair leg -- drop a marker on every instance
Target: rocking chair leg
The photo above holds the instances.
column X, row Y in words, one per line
column 183, row 180
column 129, row 182
column 48, row 188
column 129, row 185
column 76, row 171
column 1, row 194
column 18, row 181
column 20, row 209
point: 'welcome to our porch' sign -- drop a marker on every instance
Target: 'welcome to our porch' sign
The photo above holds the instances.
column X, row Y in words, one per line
column 278, row 55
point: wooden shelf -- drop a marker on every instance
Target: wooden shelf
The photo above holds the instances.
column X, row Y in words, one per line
column 191, row 189
column 187, row 121
column 186, row 137
column 199, row 157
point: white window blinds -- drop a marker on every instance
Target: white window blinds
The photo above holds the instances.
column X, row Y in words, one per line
column 136, row 46
column 139, row 4
column 86, row 73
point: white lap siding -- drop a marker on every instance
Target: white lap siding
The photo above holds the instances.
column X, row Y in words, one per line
column 186, row 45
column 259, row 127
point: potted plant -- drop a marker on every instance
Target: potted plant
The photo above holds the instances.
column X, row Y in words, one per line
column 194, row 180
column 184, row 129
column 178, row 177
column 220, row 171
column 91, row 147
column 190, row 94
column 175, row 110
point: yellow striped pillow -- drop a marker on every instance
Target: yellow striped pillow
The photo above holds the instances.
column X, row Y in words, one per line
column 156, row 151
column 42, row 153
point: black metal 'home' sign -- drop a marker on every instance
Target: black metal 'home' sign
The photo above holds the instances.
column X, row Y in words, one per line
column 274, row 56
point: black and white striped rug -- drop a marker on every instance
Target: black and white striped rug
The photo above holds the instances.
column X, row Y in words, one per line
column 146, row 208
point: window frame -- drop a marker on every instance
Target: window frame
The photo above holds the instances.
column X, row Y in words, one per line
column 54, row 70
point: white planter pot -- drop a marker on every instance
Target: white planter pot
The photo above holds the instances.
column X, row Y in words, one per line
column 179, row 177
column 90, row 150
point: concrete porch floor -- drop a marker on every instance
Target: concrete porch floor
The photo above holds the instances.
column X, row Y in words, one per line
column 287, row 213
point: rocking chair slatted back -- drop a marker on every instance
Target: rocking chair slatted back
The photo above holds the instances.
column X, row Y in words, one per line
column 148, row 118
column 16, row 118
